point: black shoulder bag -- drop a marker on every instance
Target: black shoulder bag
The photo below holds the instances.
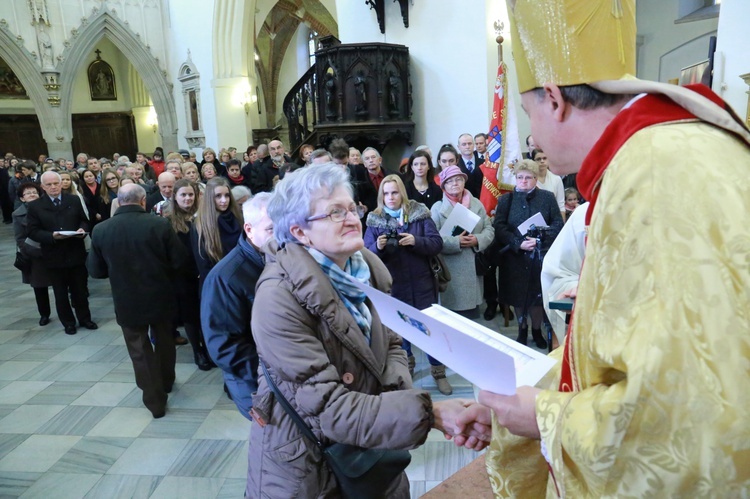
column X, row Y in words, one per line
column 360, row 473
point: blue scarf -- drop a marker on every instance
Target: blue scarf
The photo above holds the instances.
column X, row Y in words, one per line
column 352, row 296
column 397, row 215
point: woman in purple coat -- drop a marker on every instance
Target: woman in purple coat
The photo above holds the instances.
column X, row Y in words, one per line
column 401, row 232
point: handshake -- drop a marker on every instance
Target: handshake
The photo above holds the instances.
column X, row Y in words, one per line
column 469, row 423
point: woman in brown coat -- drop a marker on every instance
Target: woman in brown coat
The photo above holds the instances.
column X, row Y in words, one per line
column 325, row 347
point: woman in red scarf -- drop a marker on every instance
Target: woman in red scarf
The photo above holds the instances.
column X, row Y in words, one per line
column 234, row 174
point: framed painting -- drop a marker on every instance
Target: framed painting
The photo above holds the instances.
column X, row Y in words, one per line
column 102, row 80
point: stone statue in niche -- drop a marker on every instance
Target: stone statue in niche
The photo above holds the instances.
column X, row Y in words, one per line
column 329, row 88
column 45, row 46
column 360, row 94
column 394, row 93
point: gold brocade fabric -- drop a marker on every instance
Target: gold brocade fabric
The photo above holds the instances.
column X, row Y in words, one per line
column 661, row 344
column 569, row 42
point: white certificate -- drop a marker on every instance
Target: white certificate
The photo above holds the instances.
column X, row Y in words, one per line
column 462, row 217
column 486, row 358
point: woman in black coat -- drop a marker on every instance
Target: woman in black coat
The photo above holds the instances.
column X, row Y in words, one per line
column 182, row 209
column 401, row 232
column 521, row 265
column 420, row 180
column 217, row 227
column 36, row 276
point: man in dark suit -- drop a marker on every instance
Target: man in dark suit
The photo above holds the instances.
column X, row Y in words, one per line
column 374, row 164
column 271, row 169
column 468, row 163
column 144, row 294
column 51, row 220
column 166, row 186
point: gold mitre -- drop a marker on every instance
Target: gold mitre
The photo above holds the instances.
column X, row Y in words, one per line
column 569, row 42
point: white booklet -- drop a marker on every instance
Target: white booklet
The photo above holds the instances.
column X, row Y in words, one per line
column 536, row 219
column 486, row 358
column 462, row 217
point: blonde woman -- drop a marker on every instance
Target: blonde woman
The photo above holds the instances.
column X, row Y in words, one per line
column 218, row 226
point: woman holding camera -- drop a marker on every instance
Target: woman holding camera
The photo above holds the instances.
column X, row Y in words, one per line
column 521, row 266
column 401, row 232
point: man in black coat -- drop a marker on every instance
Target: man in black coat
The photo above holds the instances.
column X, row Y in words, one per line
column 58, row 223
column 165, row 183
column 265, row 175
column 468, row 162
column 141, row 255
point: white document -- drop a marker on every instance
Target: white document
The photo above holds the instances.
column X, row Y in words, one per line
column 486, row 358
column 536, row 219
column 461, row 216
column 70, row 233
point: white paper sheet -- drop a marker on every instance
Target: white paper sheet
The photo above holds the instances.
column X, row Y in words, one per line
column 536, row 219
column 460, row 216
column 486, row 358
column 70, row 233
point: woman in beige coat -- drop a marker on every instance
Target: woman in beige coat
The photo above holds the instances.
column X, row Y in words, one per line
column 326, row 349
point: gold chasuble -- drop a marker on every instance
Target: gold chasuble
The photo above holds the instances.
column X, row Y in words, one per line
column 660, row 345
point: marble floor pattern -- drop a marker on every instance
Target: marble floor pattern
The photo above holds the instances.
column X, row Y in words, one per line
column 72, row 424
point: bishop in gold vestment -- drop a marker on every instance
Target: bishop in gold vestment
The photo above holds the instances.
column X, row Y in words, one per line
column 652, row 394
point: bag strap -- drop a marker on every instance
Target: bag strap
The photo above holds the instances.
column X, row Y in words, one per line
column 289, row 409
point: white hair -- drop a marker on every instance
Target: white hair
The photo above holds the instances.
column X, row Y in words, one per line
column 253, row 208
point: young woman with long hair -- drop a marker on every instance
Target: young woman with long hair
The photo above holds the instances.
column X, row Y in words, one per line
column 218, row 226
column 107, row 193
column 181, row 213
column 420, row 180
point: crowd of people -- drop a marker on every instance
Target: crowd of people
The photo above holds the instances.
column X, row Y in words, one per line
column 647, row 399
column 400, row 209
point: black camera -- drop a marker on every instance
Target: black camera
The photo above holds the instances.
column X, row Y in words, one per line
column 535, row 232
column 391, row 241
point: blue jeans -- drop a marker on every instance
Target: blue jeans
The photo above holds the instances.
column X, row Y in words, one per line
column 407, row 346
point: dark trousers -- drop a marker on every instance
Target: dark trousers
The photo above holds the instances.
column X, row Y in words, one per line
column 42, row 301
column 490, row 286
column 153, row 365
column 71, row 280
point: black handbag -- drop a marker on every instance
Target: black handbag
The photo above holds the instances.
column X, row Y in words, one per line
column 440, row 272
column 23, row 262
column 360, row 473
column 482, row 263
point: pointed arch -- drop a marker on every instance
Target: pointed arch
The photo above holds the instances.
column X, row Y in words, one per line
column 28, row 72
column 155, row 79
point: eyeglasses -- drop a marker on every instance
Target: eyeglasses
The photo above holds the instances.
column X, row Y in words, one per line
column 524, row 177
column 339, row 214
column 454, row 180
column 111, row 179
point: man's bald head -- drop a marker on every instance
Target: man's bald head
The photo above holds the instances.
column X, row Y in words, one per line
column 276, row 149
column 131, row 194
column 166, row 184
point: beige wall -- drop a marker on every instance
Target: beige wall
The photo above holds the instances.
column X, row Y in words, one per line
column 668, row 47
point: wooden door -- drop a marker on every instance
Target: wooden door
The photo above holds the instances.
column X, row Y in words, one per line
column 102, row 135
column 21, row 135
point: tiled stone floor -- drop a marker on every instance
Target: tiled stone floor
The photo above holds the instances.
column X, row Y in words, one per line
column 72, row 424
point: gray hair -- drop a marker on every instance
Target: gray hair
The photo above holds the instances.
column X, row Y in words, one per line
column 239, row 192
column 254, row 207
column 130, row 194
column 293, row 197
column 48, row 173
column 317, row 153
column 123, row 160
column 370, row 149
